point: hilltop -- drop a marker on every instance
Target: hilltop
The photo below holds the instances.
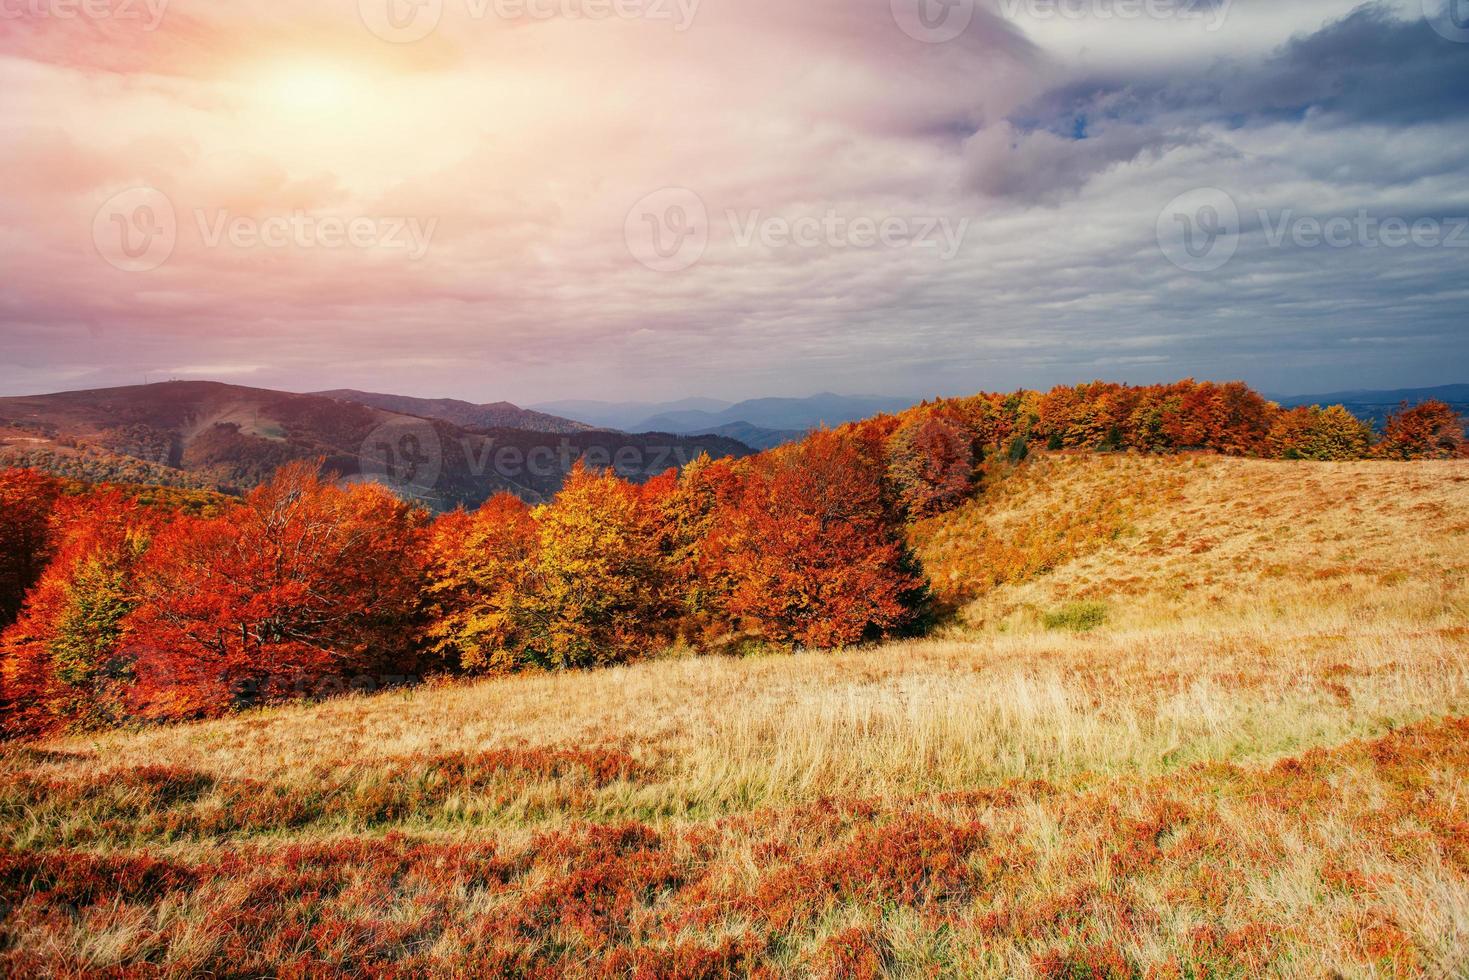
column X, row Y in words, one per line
column 759, row 422
column 1195, row 717
column 228, row 437
column 466, row 415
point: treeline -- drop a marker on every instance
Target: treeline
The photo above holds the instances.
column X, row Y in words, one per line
column 75, row 460
column 124, row 608
column 1233, row 419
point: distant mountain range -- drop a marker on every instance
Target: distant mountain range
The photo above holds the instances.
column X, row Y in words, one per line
column 202, row 433
column 1376, row 406
column 759, row 422
column 624, row 416
column 497, row 415
column 443, row 452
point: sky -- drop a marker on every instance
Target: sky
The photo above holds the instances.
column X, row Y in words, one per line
column 646, row 199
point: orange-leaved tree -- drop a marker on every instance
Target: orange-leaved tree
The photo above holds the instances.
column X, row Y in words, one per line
column 296, row 592
column 480, row 568
column 811, row 552
column 1085, row 416
column 63, row 663
column 1429, row 430
column 687, row 507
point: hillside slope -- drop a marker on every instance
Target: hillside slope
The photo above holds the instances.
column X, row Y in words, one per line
column 466, row 415
column 233, row 438
column 1207, row 539
column 1250, row 767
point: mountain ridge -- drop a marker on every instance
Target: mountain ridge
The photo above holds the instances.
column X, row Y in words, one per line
column 1374, row 405
column 469, row 415
column 231, row 438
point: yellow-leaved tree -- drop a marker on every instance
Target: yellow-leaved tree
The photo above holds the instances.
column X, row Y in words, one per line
column 600, row 588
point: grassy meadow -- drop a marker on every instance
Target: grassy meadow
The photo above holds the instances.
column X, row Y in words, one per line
column 1190, row 717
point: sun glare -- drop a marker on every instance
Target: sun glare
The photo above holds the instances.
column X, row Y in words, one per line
column 310, row 89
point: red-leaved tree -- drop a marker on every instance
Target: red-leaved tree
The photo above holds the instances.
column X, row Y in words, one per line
column 1430, row 430
column 297, row 592
column 810, row 552
column 931, row 463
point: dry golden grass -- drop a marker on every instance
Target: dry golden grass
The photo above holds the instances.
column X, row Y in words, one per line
column 1002, row 800
column 1215, row 540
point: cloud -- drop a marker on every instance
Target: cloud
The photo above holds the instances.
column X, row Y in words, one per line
column 527, row 143
column 1039, row 167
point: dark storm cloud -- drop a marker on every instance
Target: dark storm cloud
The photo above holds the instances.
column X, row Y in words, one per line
column 1370, row 68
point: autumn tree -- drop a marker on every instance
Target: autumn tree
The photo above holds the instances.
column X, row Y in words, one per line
column 685, row 505
column 991, row 420
column 810, row 551
column 1430, row 430
column 480, row 568
column 305, row 585
column 1312, row 432
column 27, row 498
column 1082, row 416
column 599, row 590
column 931, row 462
column 63, row 664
